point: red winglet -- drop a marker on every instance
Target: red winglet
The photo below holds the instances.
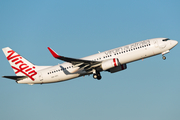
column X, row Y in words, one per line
column 54, row 53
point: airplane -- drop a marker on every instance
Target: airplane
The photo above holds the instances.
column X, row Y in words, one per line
column 114, row 60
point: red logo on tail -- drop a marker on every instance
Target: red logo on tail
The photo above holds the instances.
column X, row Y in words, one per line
column 23, row 67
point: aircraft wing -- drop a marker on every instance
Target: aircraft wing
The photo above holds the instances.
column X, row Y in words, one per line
column 74, row 61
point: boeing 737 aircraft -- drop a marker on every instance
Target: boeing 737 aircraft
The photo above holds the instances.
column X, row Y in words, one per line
column 112, row 61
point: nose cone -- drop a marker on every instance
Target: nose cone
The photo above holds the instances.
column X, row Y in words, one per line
column 174, row 42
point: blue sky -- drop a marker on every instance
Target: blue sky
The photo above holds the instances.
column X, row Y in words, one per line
column 147, row 90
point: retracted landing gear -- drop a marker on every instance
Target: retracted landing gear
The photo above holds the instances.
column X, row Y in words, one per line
column 96, row 75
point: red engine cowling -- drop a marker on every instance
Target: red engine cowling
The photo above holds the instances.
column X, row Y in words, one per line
column 111, row 63
column 118, row 68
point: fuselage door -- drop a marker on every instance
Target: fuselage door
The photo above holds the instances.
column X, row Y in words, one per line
column 162, row 44
column 156, row 43
column 40, row 77
column 159, row 44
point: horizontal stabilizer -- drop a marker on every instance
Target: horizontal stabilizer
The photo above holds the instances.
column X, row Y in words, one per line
column 17, row 78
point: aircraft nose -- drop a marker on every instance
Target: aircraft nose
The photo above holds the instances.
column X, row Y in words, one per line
column 174, row 42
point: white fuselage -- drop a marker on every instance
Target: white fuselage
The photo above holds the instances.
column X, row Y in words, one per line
column 125, row 54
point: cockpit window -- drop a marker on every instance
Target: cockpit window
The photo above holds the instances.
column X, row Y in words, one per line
column 166, row 39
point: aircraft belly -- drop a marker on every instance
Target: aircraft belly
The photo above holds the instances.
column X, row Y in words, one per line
column 59, row 77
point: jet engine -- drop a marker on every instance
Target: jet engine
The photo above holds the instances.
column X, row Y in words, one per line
column 118, row 68
column 111, row 63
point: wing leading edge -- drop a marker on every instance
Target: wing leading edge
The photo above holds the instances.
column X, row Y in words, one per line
column 74, row 61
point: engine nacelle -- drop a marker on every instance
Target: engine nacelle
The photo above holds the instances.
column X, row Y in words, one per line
column 118, row 68
column 111, row 63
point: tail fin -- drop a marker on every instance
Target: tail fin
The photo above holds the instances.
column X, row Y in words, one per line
column 20, row 65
